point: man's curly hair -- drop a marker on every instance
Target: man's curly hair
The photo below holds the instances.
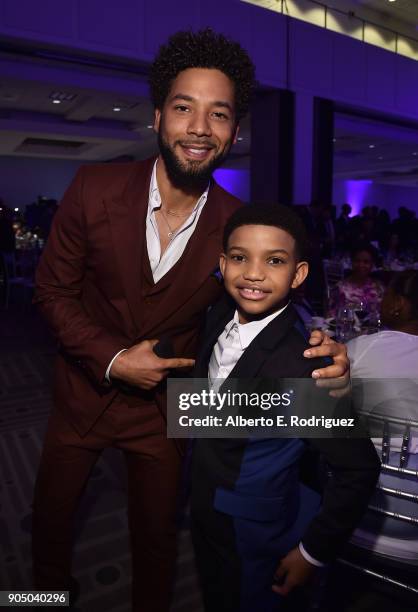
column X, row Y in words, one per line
column 203, row 49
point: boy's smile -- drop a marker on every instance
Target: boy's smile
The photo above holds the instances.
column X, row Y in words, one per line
column 259, row 269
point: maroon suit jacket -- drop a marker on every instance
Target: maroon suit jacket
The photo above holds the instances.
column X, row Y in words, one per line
column 88, row 283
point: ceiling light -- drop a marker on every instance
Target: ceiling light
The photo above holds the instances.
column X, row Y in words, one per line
column 240, row 138
column 372, row 146
column 116, row 109
column 150, row 127
column 56, row 101
column 415, row 153
column 16, row 210
column 62, row 96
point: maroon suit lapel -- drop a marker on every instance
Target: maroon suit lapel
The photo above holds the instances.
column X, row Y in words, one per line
column 198, row 261
column 127, row 215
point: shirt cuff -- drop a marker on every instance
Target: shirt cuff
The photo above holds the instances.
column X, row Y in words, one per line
column 308, row 557
column 109, row 367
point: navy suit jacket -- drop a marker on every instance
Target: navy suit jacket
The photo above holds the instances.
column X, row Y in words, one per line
column 258, row 479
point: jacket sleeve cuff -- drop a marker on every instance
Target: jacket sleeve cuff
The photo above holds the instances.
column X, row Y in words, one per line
column 308, row 557
column 109, row 367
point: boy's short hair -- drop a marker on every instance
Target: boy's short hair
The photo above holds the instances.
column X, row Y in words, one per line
column 274, row 215
column 203, row 49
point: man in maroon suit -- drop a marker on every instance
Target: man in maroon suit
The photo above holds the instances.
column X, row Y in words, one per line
column 130, row 260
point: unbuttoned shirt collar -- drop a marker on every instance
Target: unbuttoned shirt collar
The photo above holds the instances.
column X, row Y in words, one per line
column 248, row 331
column 154, row 199
column 161, row 264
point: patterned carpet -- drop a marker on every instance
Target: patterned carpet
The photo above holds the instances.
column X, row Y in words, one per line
column 101, row 556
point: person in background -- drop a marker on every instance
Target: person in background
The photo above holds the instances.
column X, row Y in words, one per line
column 393, row 352
column 384, row 369
column 383, row 232
column 359, row 286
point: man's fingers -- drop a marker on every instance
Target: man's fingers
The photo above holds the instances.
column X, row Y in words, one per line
column 338, row 393
column 333, row 371
column 335, row 383
column 285, row 588
column 327, row 349
column 177, row 362
column 318, row 337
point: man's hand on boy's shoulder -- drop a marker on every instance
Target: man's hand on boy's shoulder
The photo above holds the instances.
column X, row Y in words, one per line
column 293, row 571
column 336, row 376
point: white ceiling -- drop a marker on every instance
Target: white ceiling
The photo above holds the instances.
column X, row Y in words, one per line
column 366, row 149
column 400, row 16
column 27, row 111
column 405, row 10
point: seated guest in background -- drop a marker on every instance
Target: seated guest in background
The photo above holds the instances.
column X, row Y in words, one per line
column 384, row 368
column 392, row 353
column 359, row 286
column 393, row 250
column 383, row 231
column 403, row 226
column 249, row 525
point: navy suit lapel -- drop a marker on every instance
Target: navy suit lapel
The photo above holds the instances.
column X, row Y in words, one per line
column 253, row 358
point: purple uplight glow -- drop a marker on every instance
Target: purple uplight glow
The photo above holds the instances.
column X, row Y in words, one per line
column 355, row 194
column 236, row 182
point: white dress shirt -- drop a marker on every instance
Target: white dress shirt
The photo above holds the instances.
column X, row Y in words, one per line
column 161, row 264
column 231, row 344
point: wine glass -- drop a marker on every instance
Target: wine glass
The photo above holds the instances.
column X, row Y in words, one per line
column 345, row 323
column 360, row 311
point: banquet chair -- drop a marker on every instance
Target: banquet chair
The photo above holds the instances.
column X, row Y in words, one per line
column 385, row 545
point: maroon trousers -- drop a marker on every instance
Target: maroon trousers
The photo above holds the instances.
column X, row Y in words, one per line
column 153, row 464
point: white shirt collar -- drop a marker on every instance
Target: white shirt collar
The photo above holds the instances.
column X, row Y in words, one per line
column 154, row 199
column 248, row 331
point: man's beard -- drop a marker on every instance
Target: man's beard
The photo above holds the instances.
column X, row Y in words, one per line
column 192, row 176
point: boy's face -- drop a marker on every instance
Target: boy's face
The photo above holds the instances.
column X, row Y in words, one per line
column 259, row 269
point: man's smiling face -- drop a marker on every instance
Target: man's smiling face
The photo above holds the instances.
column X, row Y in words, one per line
column 260, row 268
column 197, row 126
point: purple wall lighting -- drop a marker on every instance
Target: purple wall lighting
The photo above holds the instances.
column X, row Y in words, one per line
column 236, row 182
column 356, row 194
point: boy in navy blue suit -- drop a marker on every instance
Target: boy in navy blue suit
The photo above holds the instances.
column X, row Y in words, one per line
column 257, row 532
